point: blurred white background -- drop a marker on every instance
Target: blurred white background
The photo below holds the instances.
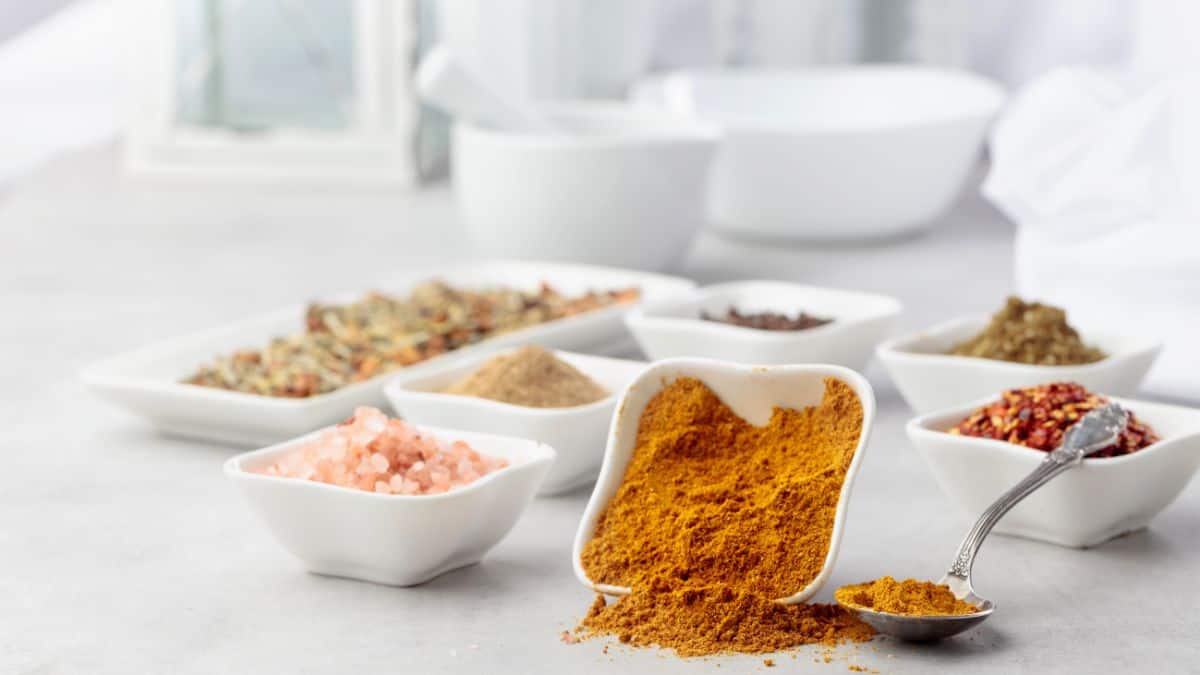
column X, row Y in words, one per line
column 59, row 60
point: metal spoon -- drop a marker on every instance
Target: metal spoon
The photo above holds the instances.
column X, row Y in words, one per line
column 1096, row 431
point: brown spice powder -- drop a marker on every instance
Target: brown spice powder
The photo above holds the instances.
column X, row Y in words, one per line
column 910, row 597
column 530, row 376
column 716, row 519
column 699, row 621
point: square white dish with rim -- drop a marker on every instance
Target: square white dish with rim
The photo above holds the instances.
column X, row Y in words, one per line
column 398, row 540
column 577, row 434
column 930, row 378
column 752, row 392
column 146, row 381
column 674, row 327
column 1101, row 498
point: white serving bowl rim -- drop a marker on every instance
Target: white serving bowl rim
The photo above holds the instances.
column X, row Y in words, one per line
column 989, row 97
column 900, row 348
column 539, row 453
column 409, row 384
column 649, row 314
column 640, row 127
column 922, row 424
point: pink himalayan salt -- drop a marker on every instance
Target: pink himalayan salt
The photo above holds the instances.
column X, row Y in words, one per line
column 371, row 452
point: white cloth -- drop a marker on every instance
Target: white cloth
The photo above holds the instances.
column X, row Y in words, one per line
column 1101, row 173
column 59, row 86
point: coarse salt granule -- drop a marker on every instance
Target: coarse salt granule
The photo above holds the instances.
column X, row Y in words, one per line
column 371, row 452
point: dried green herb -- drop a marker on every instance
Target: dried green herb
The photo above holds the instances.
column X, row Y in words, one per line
column 348, row 343
column 1031, row 333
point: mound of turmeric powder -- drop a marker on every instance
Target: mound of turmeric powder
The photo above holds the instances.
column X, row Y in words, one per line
column 716, row 519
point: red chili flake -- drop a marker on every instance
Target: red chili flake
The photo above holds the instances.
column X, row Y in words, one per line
column 1038, row 417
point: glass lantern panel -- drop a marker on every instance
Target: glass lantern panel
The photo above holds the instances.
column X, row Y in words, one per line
column 260, row 65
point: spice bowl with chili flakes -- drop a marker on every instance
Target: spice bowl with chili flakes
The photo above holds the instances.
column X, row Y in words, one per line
column 576, row 432
column 930, row 377
column 766, row 323
column 761, row 398
column 1105, row 497
column 249, row 383
column 344, row 521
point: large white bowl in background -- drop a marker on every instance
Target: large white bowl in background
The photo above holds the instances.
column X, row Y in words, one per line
column 577, row 434
column 833, row 153
column 673, row 327
column 1100, row 499
column 752, row 392
column 147, row 380
column 625, row 188
column 930, row 378
column 399, row 540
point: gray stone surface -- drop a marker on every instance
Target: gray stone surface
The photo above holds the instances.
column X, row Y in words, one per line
column 122, row 551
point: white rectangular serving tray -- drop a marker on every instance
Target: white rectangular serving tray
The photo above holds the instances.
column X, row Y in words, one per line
column 147, row 381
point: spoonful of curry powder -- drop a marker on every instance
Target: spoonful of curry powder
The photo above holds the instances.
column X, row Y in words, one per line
column 716, row 519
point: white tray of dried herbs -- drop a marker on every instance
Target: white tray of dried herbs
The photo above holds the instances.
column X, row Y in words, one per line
column 281, row 375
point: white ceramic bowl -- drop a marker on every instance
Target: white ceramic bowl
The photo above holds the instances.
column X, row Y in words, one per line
column 833, row 153
column 929, row 378
column 397, row 540
column 147, row 380
column 673, row 327
column 577, row 434
column 1092, row 503
column 625, row 188
column 753, row 392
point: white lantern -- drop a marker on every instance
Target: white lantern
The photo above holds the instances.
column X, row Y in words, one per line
column 311, row 91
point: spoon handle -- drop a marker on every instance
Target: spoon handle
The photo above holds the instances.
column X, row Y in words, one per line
column 1096, row 431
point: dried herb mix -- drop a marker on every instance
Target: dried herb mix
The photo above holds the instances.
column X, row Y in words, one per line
column 1038, row 417
column 530, row 376
column 1031, row 333
column 715, row 519
column 767, row 320
column 348, row 343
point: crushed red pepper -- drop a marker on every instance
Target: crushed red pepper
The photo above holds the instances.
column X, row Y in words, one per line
column 1038, row 417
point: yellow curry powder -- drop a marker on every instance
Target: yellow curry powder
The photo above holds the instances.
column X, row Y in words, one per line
column 716, row 519
column 911, row 597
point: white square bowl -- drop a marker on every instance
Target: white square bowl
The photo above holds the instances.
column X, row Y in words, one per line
column 147, row 381
column 1100, row 499
column 398, row 540
column 752, row 392
column 673, row 327
column 930, row 378
column 577, row 434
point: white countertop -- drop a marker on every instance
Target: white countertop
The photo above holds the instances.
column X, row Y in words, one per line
column 122, row 551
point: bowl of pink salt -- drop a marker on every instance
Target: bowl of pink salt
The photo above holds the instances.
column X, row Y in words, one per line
column 381, row 500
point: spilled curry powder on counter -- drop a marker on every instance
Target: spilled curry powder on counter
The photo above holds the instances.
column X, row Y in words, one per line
column 716, row 519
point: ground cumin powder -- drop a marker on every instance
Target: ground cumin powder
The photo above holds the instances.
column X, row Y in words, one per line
column 716, row 519
column 530, row 376
column 911, row 597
